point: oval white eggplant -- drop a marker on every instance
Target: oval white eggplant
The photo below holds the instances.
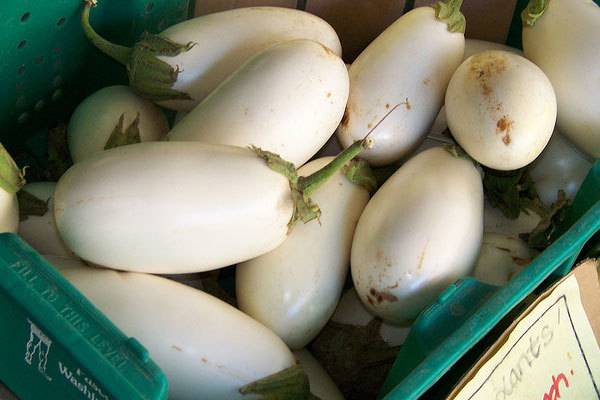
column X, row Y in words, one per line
column 202, row 52
column 207, row 349
column 501, row 258
column 563, row 42
column 409, row 64
column 293, row 290
column 11, row 181
column 419, row 233
column 288, row 99
column 560, row 167
column 40, row 231
column 97, row 116
column 501, row 109
column 321, row 384
column 472, row 46
column 172, row 207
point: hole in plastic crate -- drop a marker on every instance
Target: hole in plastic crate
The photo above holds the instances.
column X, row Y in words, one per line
column 21, row 44
column 20, row 101
column 61, row 21
column 57, row 81
column 39, row 105
column 57, row 94
column 149, row 6
column 39, row 60
column 23, row 118
column 25, row 16
column 21, row 69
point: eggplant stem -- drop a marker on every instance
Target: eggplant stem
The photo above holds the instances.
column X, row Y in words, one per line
column 121, row 54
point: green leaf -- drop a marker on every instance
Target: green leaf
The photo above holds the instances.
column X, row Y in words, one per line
column 289, row 384
column 512, row 192
column 356, row 357
column 449, row 12
column 31, row 205
column 59, row 159
column 543, row 234
column 534, row 10
column 11, row 177
column 120, row 137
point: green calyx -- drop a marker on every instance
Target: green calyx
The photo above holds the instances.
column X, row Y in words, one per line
column 30, row 205
column 149, row 76
column 544, row 234
column 449, row 12
column 302, row 187
column 122, row 137
column 291, row 383
column 534, row 10
column 12, row 178
column 360, row 173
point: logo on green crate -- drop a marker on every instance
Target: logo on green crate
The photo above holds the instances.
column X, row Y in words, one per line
column 39, row 344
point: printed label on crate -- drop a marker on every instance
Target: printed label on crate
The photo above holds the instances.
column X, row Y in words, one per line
column 551, row 352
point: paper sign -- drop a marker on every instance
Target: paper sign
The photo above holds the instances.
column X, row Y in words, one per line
column 551, row 352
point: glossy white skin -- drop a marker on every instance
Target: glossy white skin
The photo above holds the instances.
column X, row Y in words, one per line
column 501, row 109
column 501, row 258
column 293, row 290
column 288, row 99
column 564, row 44
column 472, row 46
column 40, row 231
column 351, row 311
column 495, row 221
column 9, row 212
column 411, row 63
column 206, row 348
column 172, row 207
column 95, row 118
column 321, row 384
column 560, row 167
column 227, row 39
column 419, row 233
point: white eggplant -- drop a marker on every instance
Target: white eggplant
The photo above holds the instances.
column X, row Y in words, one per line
column 207, row 349
column 288, row 99
column 183, row 64
column 419, row 233
column 501, row 258
column 321, row 384
column 472, row 46
column 495, row 221
column 177, row 207
column 62, row 263
column 11, row 181
column 293, row 290
column 561, row 37
column 501, row 109
column 408, row 65
column 560, row 167
column 113, row 113
column 40, row 230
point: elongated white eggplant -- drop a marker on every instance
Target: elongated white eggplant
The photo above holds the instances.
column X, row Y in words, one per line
column 321, row 384
column 501, row 258
column 410, row 64
column 179, row 67
column 11, row 181
column 288, row 99
column 561, row 37
column 293, row 290
column 40, row 230
column 111, row 117
column 177, row 207
column 207, row 348
column 419, row 233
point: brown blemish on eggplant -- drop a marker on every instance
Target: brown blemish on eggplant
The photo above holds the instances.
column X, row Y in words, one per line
column 382, row 296
column 328, row 94
column 394, row 286
column 521, row 261
column 369, row 126
column 426, row 81
column 503, row 249
column 176, row 348
column 486, row 66
column 504, row 125
column 422, row 256
column 204, row 360
column 346, row 118
column 387, row 105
